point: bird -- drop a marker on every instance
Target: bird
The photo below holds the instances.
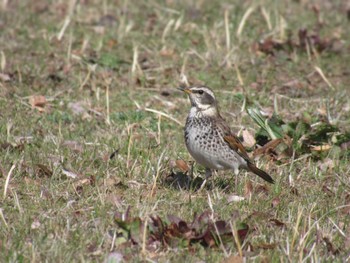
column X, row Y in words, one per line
column 209, row 139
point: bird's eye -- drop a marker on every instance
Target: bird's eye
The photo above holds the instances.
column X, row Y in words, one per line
column 200, row 92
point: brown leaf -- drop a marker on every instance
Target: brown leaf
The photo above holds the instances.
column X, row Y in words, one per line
column 79, row 108
column 84, row 181
column 243, row 232
column 267, row 245
column 271, row 145
column 328, row 191
column 260, row 216
column 182, row 165
column 294, row 190
column 174, row 219
column 45, row 193
column 43, row 170
column 262, row 189
column 248, row 189
column 183, row 227
column 293, row 84
column 208, row 239
column 277, row 222
column 233, row 259
column 345, row 145
column 35, row 224
column 321, row 148
column 2, row 171
column 221, row 227
column 203, row 218
column 115, row 199
column 38, row 101
column 4, row 77
column 201, row 231
column 167, row 52
column 330, row 246
column 248, row 139
column 275, row 202
column 74, row 146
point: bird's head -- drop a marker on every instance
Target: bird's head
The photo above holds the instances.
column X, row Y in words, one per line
column 202, row 99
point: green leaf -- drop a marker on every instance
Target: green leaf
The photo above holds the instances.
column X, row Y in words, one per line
column 272, row 126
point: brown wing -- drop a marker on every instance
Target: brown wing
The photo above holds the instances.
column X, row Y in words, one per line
column 232, row 140
column 237, row 146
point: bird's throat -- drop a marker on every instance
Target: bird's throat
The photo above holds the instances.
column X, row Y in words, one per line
column 204, row 111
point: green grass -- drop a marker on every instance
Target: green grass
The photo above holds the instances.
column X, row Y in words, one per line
column 49, row 216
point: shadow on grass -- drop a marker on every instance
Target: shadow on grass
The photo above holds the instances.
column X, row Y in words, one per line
column 184, row 181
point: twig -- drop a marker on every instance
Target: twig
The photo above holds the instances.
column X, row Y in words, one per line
column 245, row 17
column 8, row 180
column 158, row 112
column 320, row 72
column 227, row 31
column 157, row 174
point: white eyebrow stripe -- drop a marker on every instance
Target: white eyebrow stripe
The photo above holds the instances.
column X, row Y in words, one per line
column 207, row 90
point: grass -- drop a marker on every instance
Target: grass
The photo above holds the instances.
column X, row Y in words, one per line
column 118, row 62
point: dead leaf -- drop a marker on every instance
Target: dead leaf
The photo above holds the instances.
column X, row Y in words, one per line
column 293, row 84
column 182, row 165
column 345, row 145
column 328, row 191
column 43, row 170
column 176, row 231
column 115, row 200
column 2, row 171
column 248, row 139
column 13, row 146
column 330, row 246
column 277, row 222
column 275, row 201
column 115, row 257
column 235, row 198
column 69, row 174
column 263, row 189
column 271, row 145
column 233, row 259
column 248, row 189
column 84, row 181
column 74, row 146
column 321, row 148
column 38, row 102
column 45, row 193
column 322, row 111
column 167, row 52
column 326, row 164
column 5, row 77
column 79, row 108
column 266, row 245
column 35, row 224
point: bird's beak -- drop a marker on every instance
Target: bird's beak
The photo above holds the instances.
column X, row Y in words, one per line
column 186, row 90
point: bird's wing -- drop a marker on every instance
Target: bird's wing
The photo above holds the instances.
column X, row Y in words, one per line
column 236, row 145
column 232, row 140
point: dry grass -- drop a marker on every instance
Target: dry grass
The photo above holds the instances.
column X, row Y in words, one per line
column 108, row 71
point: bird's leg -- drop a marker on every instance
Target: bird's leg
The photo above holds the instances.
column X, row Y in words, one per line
column 208, row 173
column 236, row 171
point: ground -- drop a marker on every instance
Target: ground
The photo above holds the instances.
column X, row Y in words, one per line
column 92, row 130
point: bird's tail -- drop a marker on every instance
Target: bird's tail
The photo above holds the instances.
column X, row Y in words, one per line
column 261, row 173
